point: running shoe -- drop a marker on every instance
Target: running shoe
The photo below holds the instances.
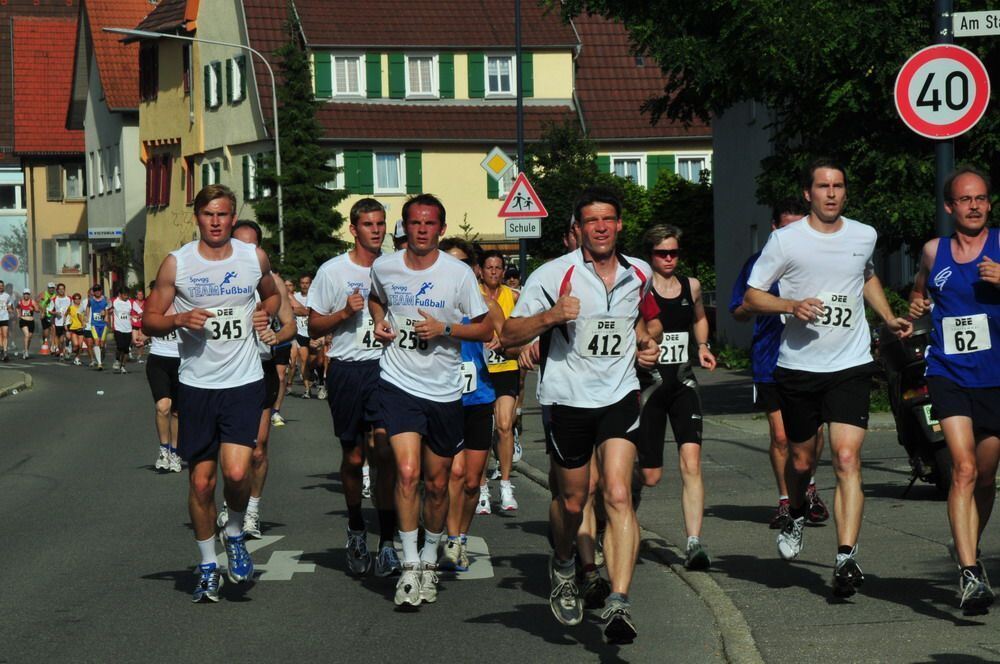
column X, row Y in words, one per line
column 483, row 507
column 251, row 524
column 116, row 366
column 847, row 574
column 209, row 582
column 366, row 487
column 599, row 550
column 495, row 473
column 618, row 625
column 223, row 517
column 77, row 362
column 463, row 558
column 277, row 420
column 306, row 393
column 790, row 538
column 428, row 583
column 408, row 586
column 451, row 556
column 781, row 515
column 240, row 567
column 100, row 366
column 564, row 600
column 696, row 558
column 92, row 364
column 122, row 370
column 322, row 393
column 359, row 558
column 163, row 460
column 507, row 501
column 974, row 593
column 594, row 589
column 518, row 452
column 387, row 562
column 817, row 508
column 175, row 462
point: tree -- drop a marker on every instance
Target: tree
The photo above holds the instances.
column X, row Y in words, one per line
column 826, row 68
column 310, row 219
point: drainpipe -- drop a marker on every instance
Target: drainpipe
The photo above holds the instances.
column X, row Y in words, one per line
column 34, row 235
column 576, row 100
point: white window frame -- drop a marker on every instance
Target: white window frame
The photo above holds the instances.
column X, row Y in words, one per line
column 513, row 75
column 360, row 82
column 62, row 249
column 116, row 170
column 705, row 156
column 80, row 175
column 631, row 156
column 102, row 177
column 236, row 76
column 435, row 92
column 92, row 174
column 400, row 161
column 338, row 162
column 18, row 197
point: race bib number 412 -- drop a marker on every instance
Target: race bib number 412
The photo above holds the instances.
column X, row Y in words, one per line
column 838, row 311
column 965, row 334
column 602, row 337
column 226, row 325
column 366, row 335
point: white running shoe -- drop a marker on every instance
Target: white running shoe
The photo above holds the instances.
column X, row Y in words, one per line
column 507, row 501
column 790, row 538
column 408, row 586
column 116, row 366
column 251, row 524
column 428, row 583
column 277, row 420
column 484, row 500
column 163, row 460
column 322, row 393
column 76, row 362
column 223, row 518
column 366, row 487
column 175, row 462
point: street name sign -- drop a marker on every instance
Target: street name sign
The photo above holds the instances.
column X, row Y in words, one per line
column 514, row 229
column 976, row 24
column 942, row 91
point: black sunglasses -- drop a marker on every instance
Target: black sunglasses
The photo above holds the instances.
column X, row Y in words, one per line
column 666, row 253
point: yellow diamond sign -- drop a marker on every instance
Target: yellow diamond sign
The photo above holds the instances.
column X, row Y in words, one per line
column 497, row 163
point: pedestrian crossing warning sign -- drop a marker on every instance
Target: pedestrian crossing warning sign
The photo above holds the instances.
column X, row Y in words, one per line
column 522, row 201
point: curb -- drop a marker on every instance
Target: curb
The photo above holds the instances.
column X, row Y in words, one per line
column 737, row 639
column 12, row 389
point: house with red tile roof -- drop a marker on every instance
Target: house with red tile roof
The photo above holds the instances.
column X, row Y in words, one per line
column 104, row 103
column 51, row 155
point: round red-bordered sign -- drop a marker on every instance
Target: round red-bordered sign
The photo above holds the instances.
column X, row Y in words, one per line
column 942, row 91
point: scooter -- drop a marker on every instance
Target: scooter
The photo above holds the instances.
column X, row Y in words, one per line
column 918, row 432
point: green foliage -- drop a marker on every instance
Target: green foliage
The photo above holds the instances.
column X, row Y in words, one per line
column 733, row 357
column 310, row 219
column 827, row 70
column 899, row 304
column 468, row 232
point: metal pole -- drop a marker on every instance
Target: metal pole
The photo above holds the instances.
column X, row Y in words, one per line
column 145, row 34
column 522, row 258
column 944, row 151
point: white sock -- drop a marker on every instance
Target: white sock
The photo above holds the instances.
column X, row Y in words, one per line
column 812, row 481
column 411, row 556
column 97, row 354
column 207, row 548
column 692, row 540
column 234, row 527
column 782, row 497
column 365, row 472
column 252, row 504
column 429, row 554
column 504, row 484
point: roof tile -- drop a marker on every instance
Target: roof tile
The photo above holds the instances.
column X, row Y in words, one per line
column 117, row 62
column 167, row 17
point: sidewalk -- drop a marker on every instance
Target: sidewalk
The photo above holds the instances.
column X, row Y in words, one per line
column 12, row 382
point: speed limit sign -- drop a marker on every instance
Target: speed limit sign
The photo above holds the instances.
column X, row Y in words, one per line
column 942, row 91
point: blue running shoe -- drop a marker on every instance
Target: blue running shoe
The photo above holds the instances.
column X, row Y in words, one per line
column 209, row 582
column 240, row 566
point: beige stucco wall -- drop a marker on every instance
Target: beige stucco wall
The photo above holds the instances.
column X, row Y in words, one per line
column 553, row 75
column 49, row 218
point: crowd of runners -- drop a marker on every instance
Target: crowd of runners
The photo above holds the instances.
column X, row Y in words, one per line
column 421, row 356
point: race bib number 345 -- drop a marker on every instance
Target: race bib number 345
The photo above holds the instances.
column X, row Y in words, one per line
column 602, row 337
column 227, row 325
column 965, row 334
column 838, row 311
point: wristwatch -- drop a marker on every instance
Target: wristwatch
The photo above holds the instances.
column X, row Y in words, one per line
column 705, row 344
column 447, row 330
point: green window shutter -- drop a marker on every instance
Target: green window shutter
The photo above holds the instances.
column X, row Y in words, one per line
column 351, row 178
column 49, row 256
column 323, row 75
column 204, row 175
column 247, row 194
column 603, row 163
column 652, row 170
column 446, row 76
column 397, row 76
column 492, row 187
column 414, row 172
column 208, row 86
column 217, row 66
column 229, row 81
column 241, row 64
column 373, row 75
column 217, row 169
column 528, row 74
column 366, row 172
column 53, row 182
column 668, row 163
column 477, row 76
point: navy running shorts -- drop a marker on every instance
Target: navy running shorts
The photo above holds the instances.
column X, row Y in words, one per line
column 352, row 393
column 207, row 418
column 440, row 423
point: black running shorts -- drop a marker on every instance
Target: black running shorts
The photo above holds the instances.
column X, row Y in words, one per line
column 506, row 383
column 440, row 423
column 282, row 354
column 765, row 397
column 980, row 404
column 271, row 383
column 352, row 393
column 577, row 432
column 478, row 426
column 161, row 373
column 682, row 405
column 809, row 399
column 123, row 340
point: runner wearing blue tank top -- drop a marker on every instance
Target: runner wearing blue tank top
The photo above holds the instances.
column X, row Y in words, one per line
column 962, row 278
column 212, row 284
column 478, row 400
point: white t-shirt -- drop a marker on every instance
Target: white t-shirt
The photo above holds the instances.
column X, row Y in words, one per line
column 83, row 311
column 61, row 307
column 589, row 362
column 448, row 291
column 302, row 322
column 165, row 346
column 122, row 315
column 224, row 353
column 4, row 306
column 354, row 339
column 832, row 267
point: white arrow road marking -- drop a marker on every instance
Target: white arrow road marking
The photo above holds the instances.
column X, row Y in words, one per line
column 279, row 567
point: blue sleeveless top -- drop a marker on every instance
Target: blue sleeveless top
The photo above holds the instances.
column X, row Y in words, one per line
column 472, row 351
column 966, row 311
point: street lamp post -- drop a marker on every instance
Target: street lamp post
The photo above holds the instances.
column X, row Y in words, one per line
column 146, row 34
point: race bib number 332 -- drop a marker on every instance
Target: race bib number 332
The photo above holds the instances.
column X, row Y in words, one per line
column 838, row 311
column 226, row 325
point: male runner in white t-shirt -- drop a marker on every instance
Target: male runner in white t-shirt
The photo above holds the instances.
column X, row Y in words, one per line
column 211, row 283
column 585, row 307
column 824, row 370
column 5, row 311
column 417, row 301
column 338, row 305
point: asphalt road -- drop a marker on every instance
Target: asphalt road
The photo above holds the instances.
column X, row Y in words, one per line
column 98, row 554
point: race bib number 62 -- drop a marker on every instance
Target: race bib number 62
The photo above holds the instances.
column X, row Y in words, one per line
column 965, row 334
column 226, row 325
